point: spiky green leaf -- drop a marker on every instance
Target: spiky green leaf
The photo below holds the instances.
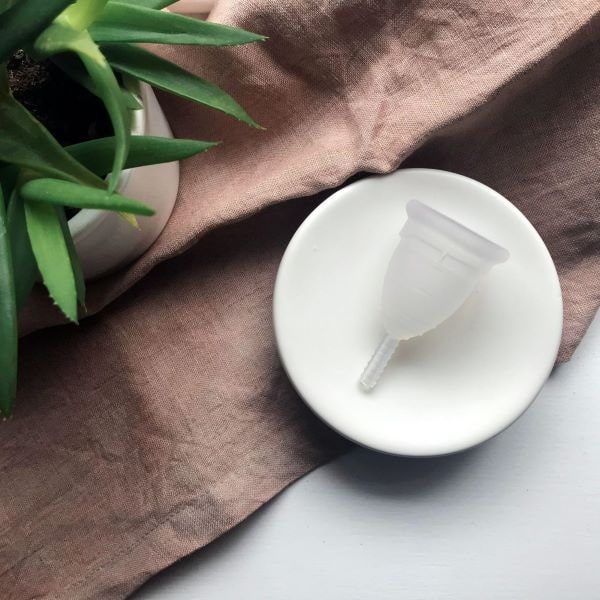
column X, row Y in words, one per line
column 60, row 37
column 124, row 23
column 96, row 155
column 115, row 102
column 83, row 13
column 52, row 255
column 162, row 74
column 8, row 320
column 25, row 142
column 23, row 260
column 65, row 193
column 156, row 4
column 74, row 257
column 25, row 20
column 73, row 67
column 6, row 4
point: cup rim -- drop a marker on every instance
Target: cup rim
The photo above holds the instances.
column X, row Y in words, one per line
column 459, row 233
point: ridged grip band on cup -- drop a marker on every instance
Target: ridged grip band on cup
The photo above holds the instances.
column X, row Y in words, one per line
column 378, row 363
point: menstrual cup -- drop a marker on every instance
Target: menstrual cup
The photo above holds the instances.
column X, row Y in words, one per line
column 434, row 269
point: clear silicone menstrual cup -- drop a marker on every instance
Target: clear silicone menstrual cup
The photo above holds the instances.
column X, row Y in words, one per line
column 433, row 270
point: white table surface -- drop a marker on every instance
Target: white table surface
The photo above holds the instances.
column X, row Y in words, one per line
column 516, row 518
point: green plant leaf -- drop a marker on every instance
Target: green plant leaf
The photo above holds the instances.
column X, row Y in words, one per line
column 157, row 4
column 83, row 13
column 25, row 142
column 60, row 37
column 8, row 179
column 131, row 100
column 122, row 23
column 96, row 155
column 25, row 269
column 65, row 193
column 162, row 74
column 6, row 4
column 25, row 20
column 52, row 255
column 73, row 256
column 8, row 320
column 112, row 96
column 73, row 67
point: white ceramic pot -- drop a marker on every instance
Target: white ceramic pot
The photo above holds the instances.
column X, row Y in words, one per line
column 103, row 239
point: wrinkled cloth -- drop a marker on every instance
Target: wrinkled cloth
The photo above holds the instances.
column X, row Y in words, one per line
column 165, row 418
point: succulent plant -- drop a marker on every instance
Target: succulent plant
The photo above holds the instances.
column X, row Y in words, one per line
column 95, row 43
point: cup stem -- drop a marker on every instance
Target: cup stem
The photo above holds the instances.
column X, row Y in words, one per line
column 378, row 363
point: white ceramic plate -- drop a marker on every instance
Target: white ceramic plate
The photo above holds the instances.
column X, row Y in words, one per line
column 457, row 385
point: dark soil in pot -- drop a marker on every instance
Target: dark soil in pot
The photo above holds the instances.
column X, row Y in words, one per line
column 67, row 110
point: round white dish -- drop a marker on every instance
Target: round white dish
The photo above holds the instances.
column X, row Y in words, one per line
column 449, row 389
column 103, row 239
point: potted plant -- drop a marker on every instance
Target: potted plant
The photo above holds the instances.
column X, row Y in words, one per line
column 71, row 211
